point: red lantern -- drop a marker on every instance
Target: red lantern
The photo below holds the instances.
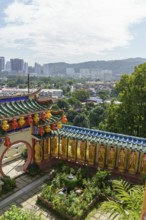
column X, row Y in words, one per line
column 7, row 142
column 53, row 127
column 14, row 123
column 41, row 131
column 64, row 119
column 43, row 116
column 29, row 120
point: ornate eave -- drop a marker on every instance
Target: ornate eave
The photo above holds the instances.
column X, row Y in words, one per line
column 103, row 137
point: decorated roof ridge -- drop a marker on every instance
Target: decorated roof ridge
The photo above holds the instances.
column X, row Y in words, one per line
column 15, row 109
column 13, row 98
column 46, row 135
column 105, row 135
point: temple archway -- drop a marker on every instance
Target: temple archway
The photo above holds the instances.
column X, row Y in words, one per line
column 15, row 161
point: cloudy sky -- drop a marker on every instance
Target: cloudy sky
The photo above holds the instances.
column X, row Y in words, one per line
column 72, row 30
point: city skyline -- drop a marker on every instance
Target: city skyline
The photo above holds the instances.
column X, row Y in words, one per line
column 67, row 31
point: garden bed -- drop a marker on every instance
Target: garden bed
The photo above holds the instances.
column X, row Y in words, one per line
column 73, row 192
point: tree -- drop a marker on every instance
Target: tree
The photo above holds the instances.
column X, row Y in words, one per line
column 71, row 113
column 126, row 203
column 90, row 106
column 74, row 102
column 63, row 104
column 103, row 94
column 130, row 116
column 96, row 116
column 81, row 95
column 81, row 120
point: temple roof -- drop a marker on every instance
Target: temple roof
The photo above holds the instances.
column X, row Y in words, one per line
column 97, row 136
column 16, row 108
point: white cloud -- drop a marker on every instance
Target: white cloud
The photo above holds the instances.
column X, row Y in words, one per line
column 62, row 29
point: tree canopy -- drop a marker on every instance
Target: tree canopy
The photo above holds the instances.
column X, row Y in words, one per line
column 81, row 95
column 129, row 117
column 81, row 120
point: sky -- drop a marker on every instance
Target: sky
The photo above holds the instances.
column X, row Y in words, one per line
column 72, row 31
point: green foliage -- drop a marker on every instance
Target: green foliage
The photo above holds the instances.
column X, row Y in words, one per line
column 33, row 169
column 63, row 104
column 81, row 120
column 81, row 95
column 15, row 213
column 74, row 102
column 90, row 105
column 129, row 117
column 103, row 94
column 126, row 202
column 71, row 114
column 9, row 184
column 69, row 202
column 96, row 116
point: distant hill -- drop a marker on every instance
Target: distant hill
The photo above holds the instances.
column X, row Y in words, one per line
column 117, row 66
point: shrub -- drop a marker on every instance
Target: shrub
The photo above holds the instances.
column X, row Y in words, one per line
column 33, row 169
column 15, row 213
column 9, row 184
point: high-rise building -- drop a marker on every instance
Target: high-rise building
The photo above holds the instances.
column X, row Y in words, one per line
column 2, row 64
column 25, row 68
column 16, row 65
column 46, row 69
column 8, row 66
column 37, row 68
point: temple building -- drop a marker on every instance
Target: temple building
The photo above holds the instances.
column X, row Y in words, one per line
column 26, row 119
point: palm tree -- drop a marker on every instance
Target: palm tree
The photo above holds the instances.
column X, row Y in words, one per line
column 126, row 203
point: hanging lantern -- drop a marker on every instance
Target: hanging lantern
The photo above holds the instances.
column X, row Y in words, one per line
column 41, row 131
column 21, row 121
column 59, row 125
column 53, row 127
column 64, row 119
column 29, row 120
column 5, row 125
column 36, row 118
column 48, row 114
column 43, row 116
column 14, row 123
column 7, row 142
column 47, row 128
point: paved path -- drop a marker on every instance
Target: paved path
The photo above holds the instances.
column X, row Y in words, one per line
column 23, row 191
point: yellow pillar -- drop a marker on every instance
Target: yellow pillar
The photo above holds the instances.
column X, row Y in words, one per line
column 45, row 149
column 38, row 152
column 111, row 158
column 101, row 156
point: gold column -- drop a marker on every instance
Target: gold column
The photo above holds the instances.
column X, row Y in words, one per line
column 121, row 160
column 54, row 146
column 101, row 157
column 64, row 147
column 38, row 152
column 111, row 158
column 132, row 162
column 45, row 149
column 143, row 164
column 82, row 148
column 91, row 150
